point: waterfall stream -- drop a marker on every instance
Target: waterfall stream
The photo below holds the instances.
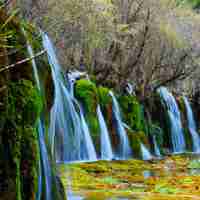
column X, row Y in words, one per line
column 106, row 147
column 146, row 155
column 177, row 137
column 45, row 162
column 192, row 127
column 44, row 165
column 125, row 151
column 91, row 153
column 156, row 147
column 69, row 136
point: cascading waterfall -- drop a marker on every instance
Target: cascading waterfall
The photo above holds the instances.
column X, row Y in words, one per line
column 44, row 164
column 106, row 147
column 177, row 137
column 67, row 128
column 192, row 126
column 156, row 147
column 87, row 139
column 124, row 146
column 146, row 155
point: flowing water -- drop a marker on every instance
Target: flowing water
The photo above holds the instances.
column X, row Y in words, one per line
column 146, row 155
column 106, row 147
column 156, row 147
column 71, row 77
column 44, row 164
column 91, row 153
column 192, row 127
column 69, row 136
column 177, row 137
column 124, row 151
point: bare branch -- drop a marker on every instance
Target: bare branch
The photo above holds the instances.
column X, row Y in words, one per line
column 21, row 61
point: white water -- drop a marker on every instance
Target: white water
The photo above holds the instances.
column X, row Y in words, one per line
column 146, row 155
column 44, row 164
column 69, row 136
column 156, row 147
column 106, row 147
column 177, row 137
column 192, row 127
column 124, row 151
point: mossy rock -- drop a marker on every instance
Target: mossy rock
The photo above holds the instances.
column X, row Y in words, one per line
column 157, row 132
column 24, row 102
column 29, row 162
column 162, row 120
column 136, row 139
column 132, row 112
column 104, row 97
column 86, row 92
column 20, row 142
column 184, row 120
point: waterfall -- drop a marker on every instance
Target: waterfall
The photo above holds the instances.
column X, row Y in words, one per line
column 87, row 139
column 156, row 147
column 71, row 77
column 146, row 155
column 106, row 148
column 124, row 146
column 177, row 137
column 44, row 164
column 192, row 127
column 69, row 136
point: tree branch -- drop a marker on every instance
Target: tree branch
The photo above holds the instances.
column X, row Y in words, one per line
column 22, row 61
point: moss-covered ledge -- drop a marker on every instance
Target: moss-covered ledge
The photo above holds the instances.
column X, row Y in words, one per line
column 86, row 92
column 20, row 150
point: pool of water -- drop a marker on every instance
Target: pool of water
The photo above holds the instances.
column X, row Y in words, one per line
column 175, row 177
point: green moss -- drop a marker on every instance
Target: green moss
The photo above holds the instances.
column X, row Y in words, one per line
column 135, row 140
column 21, row 147
column 157, row 132
column 186, row 131
column 24, row 102
column 104, row 97
column 29, row 161
column 132, row 112
column 105, row 101
column 86, row 92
